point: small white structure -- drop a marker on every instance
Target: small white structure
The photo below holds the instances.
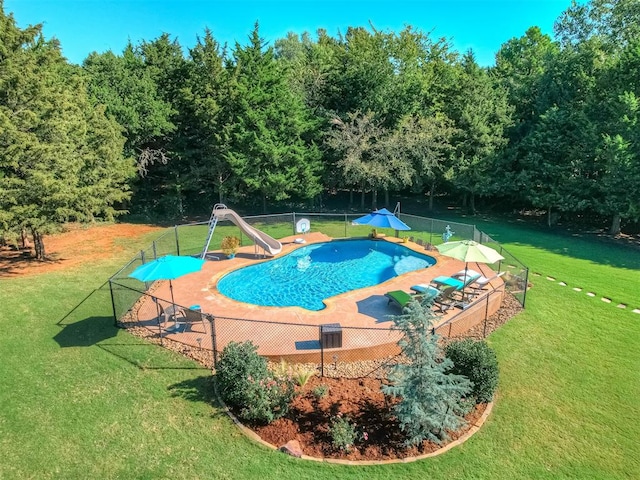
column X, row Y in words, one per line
column 303, row 226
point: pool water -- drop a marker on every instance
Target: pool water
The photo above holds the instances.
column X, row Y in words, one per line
column 311, row 274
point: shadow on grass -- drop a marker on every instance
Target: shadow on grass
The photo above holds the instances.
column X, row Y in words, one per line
column 147, row 356
column 100, row 331
column 199, row 389
column 87, row 332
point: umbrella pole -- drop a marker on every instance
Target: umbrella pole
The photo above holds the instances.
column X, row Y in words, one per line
column 464, row 284
column 173, row 306
column 173, row 303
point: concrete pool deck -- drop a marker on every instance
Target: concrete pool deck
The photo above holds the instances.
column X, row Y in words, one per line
column 293, row 334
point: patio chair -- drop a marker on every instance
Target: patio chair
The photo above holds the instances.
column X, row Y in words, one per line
column 169, row 314
column 193, row 315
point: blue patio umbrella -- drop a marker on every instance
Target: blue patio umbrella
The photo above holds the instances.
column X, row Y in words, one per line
column 382, row 218
column 168, row 267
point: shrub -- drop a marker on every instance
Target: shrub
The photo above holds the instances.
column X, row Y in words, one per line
column 343, row 433
column 300, row 374
column 245, row 383
column 320, row 391
column 477, row 361
column 282, row 369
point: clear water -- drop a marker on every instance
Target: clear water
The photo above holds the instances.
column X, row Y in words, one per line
column 308, row 275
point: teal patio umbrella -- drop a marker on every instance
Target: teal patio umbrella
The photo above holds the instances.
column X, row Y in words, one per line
column 169, row 268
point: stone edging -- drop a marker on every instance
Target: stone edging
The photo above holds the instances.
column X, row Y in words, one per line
column 256, row 438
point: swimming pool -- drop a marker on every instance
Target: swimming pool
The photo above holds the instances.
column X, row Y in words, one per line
column 308, row 275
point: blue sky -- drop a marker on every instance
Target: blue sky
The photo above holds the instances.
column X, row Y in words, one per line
column 84, row 26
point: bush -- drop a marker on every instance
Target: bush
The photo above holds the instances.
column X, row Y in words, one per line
column 343, row 433
column 245, row 383
column 320, row 391
column 477, row 361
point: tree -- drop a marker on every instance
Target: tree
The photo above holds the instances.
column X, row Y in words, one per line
column 481, row 114
column 554, row 173
column 368, row 156
column 60, row 157
column 426, row 142
column 431, row 399
column 126, row 88
column 205, row 117
column 272, row 148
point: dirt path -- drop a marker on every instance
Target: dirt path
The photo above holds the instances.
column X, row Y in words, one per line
column 76, row 246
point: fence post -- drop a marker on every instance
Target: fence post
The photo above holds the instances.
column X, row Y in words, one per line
column 113, row 305
column 155, row 253
column 345, row 225
column 214, row 348
column 294, row 223
column 526, row 286
column 321, row 354
column 431, row 233
column 486, row 315
column 175, row 230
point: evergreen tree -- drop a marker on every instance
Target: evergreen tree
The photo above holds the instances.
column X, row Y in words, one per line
column 481, row 114
column 431, row 400
column 271, row 133
column 60, row 158
column 125, row 86
column 205, row 117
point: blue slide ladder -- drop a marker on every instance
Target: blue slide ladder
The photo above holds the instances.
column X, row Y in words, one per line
column 213, row 221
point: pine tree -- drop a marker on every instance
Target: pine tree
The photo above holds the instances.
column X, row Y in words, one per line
column 272, row 149
column 431, row 400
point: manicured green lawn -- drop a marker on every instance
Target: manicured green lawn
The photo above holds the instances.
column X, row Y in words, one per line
column 81, row 399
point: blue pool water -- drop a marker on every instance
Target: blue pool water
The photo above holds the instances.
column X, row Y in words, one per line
column 308, row 275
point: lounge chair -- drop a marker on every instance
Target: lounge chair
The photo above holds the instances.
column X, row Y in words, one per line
column 480, row 282
column 426, row 292
column 399, row 298
column 402, row 298
column 446, row 299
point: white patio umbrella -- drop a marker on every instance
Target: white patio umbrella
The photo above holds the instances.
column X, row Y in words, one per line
column 469, row 251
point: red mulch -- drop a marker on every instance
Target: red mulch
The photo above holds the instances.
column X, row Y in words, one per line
column 364, row 404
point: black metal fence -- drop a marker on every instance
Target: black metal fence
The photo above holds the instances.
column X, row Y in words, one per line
column 334, row 351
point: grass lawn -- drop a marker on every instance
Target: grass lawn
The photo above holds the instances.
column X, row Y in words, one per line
column 82, row 399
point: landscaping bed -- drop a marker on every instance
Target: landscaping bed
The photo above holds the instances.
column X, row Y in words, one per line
column 360, row 400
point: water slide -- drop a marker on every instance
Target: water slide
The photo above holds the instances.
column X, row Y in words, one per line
column 269, row 244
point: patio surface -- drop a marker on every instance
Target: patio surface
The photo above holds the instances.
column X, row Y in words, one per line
column 294, row 335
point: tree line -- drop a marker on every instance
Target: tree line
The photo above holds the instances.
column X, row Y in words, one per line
column 552, row 126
